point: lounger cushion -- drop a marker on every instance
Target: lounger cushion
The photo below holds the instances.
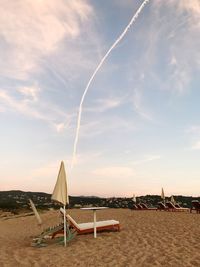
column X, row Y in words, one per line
column 90, row 225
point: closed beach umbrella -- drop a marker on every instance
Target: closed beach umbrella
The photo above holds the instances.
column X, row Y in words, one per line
column 173, row 200
column 134, row 198
column 163, row 194
column 35, row 212
column 60, row 193
column 60, row 190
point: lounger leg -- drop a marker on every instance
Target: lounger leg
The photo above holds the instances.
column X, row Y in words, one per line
column 95, row 229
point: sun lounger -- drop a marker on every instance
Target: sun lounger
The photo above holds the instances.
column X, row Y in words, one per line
column 145, row 207
column 50, row 233
column 162, row 206
column 84, row 228
column 142, row 207
column 172, row 207
column 195, row 206
column 134, row 207
column 139, row 206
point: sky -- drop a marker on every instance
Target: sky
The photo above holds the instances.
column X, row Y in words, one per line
column 140, row 126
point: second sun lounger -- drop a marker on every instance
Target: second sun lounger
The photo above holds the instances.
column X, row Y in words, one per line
column 162, row 207
column 145, row 207
column 172, row 207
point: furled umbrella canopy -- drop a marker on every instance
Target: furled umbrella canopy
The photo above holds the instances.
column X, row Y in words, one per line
column 173, row 200
column 162, row 194
column 35, row 212
column 60, row 193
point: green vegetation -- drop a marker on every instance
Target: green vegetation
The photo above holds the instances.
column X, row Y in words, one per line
column 16, row 200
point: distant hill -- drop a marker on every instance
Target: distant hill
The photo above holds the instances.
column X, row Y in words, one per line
column 16, row 200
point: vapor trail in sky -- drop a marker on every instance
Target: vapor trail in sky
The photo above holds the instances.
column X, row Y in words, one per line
column 95, row 72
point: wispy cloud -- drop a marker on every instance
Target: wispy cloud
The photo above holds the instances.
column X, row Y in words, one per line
column 31, row 30
column 103, row 105
column 43, row 43
column 88, row 158
column 107, row 125
column 196, row 146
column 194, row 129
column 193, row 7
column 139, row 106
column 27, row 103
column 147, row 158
column 114, row 172
column 193, row 132
column 169, row 59
column 49, row 170
column 29, row 92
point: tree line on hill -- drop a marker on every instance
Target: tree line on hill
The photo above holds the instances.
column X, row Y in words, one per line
column 16, row 200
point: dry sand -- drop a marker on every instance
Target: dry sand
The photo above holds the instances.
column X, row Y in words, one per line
column 147, row 238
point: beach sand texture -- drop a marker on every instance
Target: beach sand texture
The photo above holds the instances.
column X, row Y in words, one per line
column 147, row 238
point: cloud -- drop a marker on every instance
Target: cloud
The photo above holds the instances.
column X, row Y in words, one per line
column 195, row 129
column 87, row 157
column 114, row 172
column 48, row 170
column 60, row 126
column 194, row 133
column 173, row 61
column 107, row 125
column 147, row 159
column 139, row 106
column 187, row 22
column 196, row 146
column 29, row 92
column 31, row 30
column 28, row 103
column 192, row 7
column 169, row 59
column 48, row 44
column 103, row 105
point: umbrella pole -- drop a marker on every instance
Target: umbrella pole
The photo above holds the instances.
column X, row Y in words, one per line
column 65, row 239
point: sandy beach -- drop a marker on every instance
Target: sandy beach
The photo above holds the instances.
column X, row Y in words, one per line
column 147, row 238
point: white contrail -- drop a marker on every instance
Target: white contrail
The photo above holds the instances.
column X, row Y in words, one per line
column 95, row 72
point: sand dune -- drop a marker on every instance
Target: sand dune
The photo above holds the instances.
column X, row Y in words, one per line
column 147, row 238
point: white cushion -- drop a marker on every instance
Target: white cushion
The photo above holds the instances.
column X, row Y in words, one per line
column 90, row 225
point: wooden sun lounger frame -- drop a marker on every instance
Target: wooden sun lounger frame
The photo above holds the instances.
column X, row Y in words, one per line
column 169, row 206
column 162, row 207
column 141, row 206
column 145, row 207
column 172, row 207
column 134, row 207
